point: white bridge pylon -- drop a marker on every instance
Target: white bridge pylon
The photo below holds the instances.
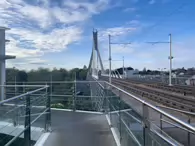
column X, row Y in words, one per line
column 95, row 64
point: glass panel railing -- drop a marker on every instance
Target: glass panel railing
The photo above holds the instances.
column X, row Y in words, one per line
column 137, row 122
column 24, row 118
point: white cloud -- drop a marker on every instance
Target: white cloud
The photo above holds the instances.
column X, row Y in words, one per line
column 45, row 27
column 134, row 22
column 139, row 54
column 40, row 15
column 40, row 43
column 56, row 40
column 118, row 35
column 155, row 56
column 116, row 31
column 93, row 8
column 122, row 49
column 45, row 16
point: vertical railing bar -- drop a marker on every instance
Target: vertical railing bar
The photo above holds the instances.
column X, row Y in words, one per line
column 161, row 126
column 74, row 96
column 27, row 132
column 48, row 107
column 146, row 124
column 189, row 143
column 120, row 130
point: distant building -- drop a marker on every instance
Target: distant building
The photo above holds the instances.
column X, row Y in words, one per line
column 181, row 74
column 191, row 81
column 131, row 73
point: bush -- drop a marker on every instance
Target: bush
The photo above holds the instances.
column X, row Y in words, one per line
column 57, row 105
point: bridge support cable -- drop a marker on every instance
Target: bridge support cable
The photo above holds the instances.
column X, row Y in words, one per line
column 95, row 59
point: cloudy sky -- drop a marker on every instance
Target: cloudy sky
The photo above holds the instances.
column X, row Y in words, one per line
column 58, row 33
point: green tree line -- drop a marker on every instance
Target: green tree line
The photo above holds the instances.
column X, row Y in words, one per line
column 45, row 74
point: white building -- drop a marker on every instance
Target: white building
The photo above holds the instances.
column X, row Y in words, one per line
column 191, row 81
column 131, row 73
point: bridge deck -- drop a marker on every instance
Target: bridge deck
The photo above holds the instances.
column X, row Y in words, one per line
column 79, row 129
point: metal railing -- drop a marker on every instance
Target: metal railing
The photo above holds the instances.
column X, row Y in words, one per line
column 135, row 121
column 157, row 127
column 73, row 95
column 24, row 117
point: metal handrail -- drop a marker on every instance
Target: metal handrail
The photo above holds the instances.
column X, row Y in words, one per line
column 84, row 81
column 22, row 85
column 178, row 110
column 166, row 121
column 16, row 97
column 186, row 125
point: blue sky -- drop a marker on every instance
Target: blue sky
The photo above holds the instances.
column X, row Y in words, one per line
column 48, row 33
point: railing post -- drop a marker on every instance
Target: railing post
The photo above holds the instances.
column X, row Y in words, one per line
column 146, row 124
column 189, row 133
column 51, row 88
column 110, row 98
column 27, row 125
column 15, row 87
column 161, row 126
column 106, row 99
column 74, row 96
column 120, row 107
column 23, row 87
column 48, row 111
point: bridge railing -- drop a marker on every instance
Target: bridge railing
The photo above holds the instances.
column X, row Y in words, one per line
column 24, row 115
column 138, row 122
column 71, row 95
column 134, row 120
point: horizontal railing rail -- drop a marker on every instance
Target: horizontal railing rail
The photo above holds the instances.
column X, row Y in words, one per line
column 22, row 95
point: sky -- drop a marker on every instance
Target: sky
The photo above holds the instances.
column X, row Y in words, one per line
column 58, row 33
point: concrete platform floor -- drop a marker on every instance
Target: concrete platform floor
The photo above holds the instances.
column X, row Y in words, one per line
column 79, row 129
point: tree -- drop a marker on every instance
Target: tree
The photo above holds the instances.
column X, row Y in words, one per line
column 22, row 76
column 11, row 74
column 82, row 74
